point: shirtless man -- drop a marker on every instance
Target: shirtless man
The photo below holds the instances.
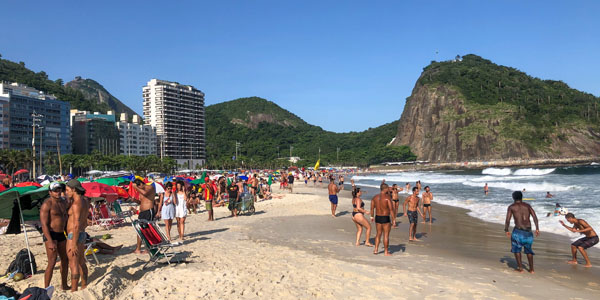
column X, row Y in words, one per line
column 407, row 187
column 412, row 202
column 590, row 239
column 418, row 185
column 53, row 216
column 254, row 186
column 381, row 209
column 395, row 203
column 76, row 236
column 333, row 191
column 521, row 235
column 486, row 189
column 427, row 197
column 146, row 201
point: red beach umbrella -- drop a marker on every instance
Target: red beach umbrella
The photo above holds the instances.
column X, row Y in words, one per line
column 28, row 183
column 121, row 192
column 100, row 190
column 22, row 171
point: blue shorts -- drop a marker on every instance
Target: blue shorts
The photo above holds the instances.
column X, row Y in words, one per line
column 333, row 199
column 521, row 239
column 412, row 216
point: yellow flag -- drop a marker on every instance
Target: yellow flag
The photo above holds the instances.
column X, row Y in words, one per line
column 317, row 164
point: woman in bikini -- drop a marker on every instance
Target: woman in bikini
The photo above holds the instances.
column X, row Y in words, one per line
column 358, row 216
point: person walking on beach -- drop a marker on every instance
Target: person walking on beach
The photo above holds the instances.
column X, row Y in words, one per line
column 166, row 208
column 396, row 204
column 333, row 191
column 427, row 197
column 410, row 208
column 234, row 197
column 76, row 235
column 208, row 192
column 521, row 237
column 290, row 180
column 590, row 239
column 358, row 216
column 180, row 200
column 381, row 209
column 486, row 189
column 53, row 216
column 146, row 201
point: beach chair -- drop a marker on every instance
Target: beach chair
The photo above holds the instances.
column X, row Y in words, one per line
column 107, row 221
column 155, row 241
column 125, row 215
column 89, row 250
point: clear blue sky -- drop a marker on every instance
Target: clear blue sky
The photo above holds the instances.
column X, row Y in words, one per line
column 342, row 65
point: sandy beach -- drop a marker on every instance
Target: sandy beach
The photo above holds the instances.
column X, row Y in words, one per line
column 292, row 248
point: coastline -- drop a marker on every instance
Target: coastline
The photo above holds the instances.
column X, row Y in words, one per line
column 292, row 248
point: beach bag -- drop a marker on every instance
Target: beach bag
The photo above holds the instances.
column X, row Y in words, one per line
column 21, row 263
column 35, row 293
column 7, row 291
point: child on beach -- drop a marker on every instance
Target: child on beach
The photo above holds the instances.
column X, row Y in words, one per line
column 590, row 239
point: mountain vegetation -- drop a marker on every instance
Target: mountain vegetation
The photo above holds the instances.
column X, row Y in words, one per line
column 95, row 92
column 79, row 99
column 525, row 109
column 269, row 134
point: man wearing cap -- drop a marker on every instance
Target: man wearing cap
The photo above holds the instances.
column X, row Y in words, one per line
column 53, row 216
column 146, row 201
column 76, row 235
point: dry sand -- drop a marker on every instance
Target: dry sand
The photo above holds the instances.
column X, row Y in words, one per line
column 292, row 248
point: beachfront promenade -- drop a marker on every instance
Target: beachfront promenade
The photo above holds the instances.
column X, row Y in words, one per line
column 292, row 249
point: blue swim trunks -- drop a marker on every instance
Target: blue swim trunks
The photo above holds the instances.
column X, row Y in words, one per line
column 333, row 199
column 521, row 239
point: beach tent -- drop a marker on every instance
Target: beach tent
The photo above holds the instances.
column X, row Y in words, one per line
column 22, row 204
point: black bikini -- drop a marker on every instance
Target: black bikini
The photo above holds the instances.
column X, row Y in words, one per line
column 362, row 205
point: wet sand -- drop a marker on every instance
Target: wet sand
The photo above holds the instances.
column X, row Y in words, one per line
column 455, row 245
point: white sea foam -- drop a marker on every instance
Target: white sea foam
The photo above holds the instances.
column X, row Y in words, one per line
column 533, row 172
column 488, row 178
column 497, row 171
column 529, row 187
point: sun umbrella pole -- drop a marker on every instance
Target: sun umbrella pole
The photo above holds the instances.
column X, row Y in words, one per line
column 26, row 238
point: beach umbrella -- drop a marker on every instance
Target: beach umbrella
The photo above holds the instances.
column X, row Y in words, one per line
column 7, row 203
column 28, row 183
column 83, row 179
column 121, row 192
column 100, row 190
column 112, row 181
column 242, row 177
column 22, row 171
column 197, row 181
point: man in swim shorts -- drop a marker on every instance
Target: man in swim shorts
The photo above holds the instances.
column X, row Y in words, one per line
column 411, row 207
column 427, row 197
column 333, row 191
column 53, row 216
column 521, row 237
column 590, row 239
column 382, row 208
column 76, row 235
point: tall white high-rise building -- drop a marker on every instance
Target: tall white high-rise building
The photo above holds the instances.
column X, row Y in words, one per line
column 136, row 139
column 176, row 111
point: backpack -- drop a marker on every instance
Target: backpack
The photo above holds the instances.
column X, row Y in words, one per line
column 21, row 263
column 7, row 291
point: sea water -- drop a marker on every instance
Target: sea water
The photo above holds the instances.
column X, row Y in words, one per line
column 575, row 188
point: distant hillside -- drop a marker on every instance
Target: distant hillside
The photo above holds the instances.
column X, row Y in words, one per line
column 81, row 94
column 94, row 91
column 476, row 110
column 263, row 128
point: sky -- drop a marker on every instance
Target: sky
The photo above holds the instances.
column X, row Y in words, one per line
column 342, row 65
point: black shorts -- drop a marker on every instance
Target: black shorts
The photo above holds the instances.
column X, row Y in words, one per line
column 586, row 242
column 382, row 219
column 427, row 205
column 56, row 236
column 147, row 215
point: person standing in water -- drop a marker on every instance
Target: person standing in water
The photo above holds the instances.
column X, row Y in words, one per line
column 333, row 191
column 381, row 209
column 590, row 239
column 486, row 189
column 521, row 237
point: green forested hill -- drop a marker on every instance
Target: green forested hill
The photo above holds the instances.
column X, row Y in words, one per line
column 538, row 108
column 264, row 129
column 79, row 99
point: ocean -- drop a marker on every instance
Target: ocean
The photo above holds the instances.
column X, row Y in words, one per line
column 576, row 188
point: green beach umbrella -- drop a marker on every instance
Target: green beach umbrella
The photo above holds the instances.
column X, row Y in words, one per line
column 82, row 179
column 197, row 181
column 112, row 181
